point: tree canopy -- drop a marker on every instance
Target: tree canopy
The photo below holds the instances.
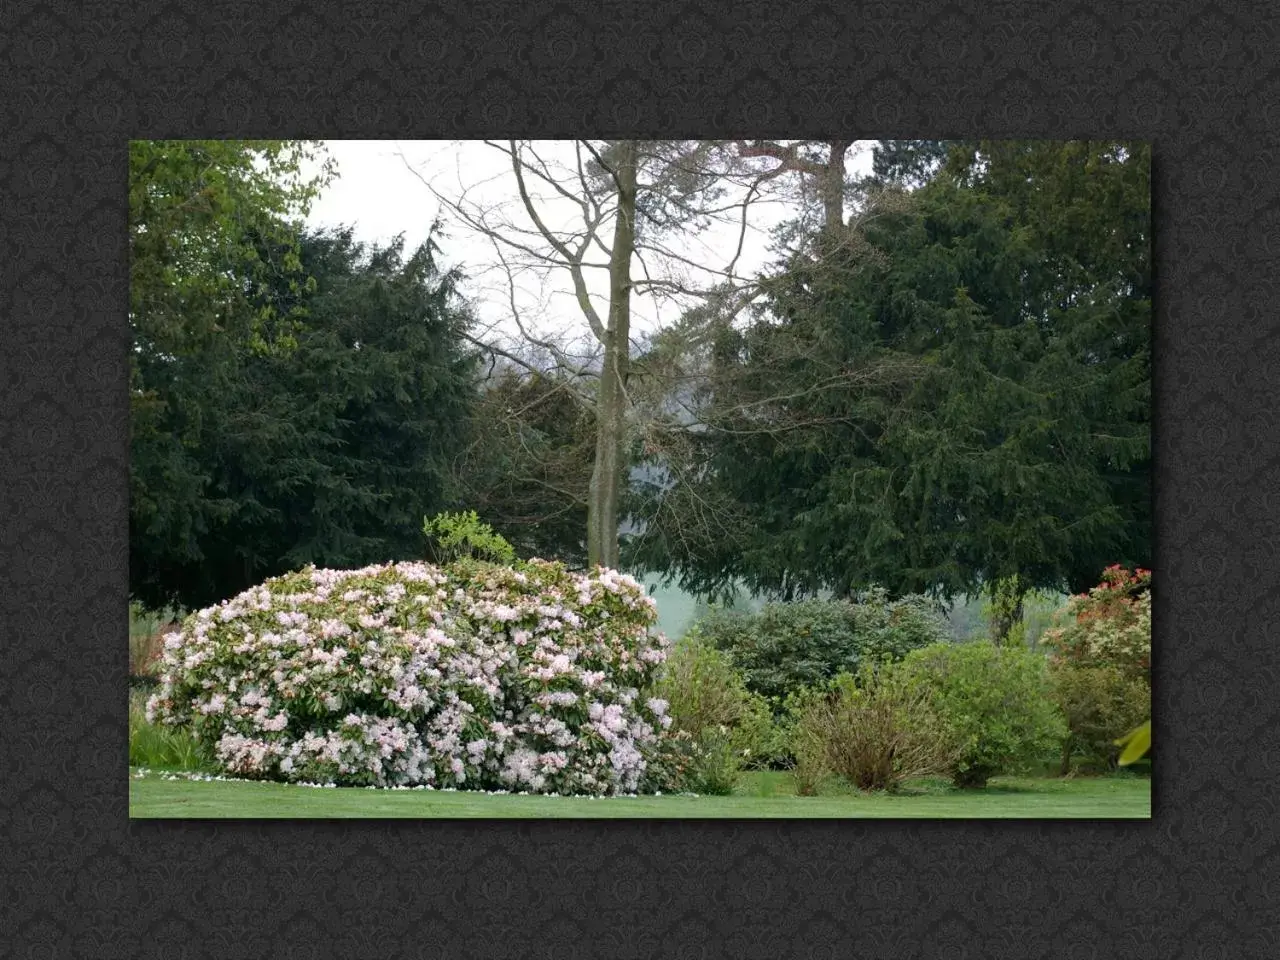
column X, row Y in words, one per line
column 527, row 467
column 197, row 209
column 330, row 452
column 953, row 394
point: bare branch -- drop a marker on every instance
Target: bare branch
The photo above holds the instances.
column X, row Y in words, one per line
column 603, row 165
column 788, row 155
column 574, row 263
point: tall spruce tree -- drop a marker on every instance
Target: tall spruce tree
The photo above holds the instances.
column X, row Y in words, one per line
column 199, row 211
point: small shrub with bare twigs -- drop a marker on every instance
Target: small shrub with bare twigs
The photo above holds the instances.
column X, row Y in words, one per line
column 872, row 730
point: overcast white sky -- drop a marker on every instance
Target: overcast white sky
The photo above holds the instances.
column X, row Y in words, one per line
column 377, row 193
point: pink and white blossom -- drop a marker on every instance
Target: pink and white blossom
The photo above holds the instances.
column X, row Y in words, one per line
column 459, row 695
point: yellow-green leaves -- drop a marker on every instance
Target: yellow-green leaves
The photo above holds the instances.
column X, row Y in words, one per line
column 1135, row 744
column 462, row 534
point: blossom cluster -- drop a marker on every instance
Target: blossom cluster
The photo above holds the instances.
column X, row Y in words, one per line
column 1110, row 625
column 467, row 676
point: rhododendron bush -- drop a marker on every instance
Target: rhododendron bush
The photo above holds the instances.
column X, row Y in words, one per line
column 471, row 675
column 1101, row 658
column 1110, row 626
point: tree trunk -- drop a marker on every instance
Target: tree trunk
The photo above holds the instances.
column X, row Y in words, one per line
column 832, row 186
column 1003, row 622
column 1007, row 608
column 606, row 477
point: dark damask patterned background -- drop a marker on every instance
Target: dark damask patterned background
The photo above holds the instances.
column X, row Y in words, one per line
column 1202, row 80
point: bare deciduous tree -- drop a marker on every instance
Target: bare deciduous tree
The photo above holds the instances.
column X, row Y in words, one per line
column 822, row 161
column 654, row 194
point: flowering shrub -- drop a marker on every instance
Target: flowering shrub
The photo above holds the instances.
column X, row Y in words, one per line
column 1110, row 626
column 471, row 675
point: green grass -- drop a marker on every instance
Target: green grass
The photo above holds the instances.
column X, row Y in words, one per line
column 760, row 795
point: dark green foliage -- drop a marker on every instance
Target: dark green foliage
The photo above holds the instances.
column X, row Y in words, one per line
column 253, row 462
column 996, row 704
column 786, row 647
column 956, row 393
column 211, row 229
column 910, row 163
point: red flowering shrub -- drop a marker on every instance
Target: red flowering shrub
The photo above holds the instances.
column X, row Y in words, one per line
column 1110, row 626
column 1101, row 663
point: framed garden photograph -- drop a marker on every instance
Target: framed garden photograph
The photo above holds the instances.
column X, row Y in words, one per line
column 436, row 535
column 671, row 479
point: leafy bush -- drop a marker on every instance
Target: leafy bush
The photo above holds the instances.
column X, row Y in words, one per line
column 717, row 762
column 730, row 728
column 1110, row 626
column 464, row 535
column 874, row 730
column 152, row 745
column 671, row 764
column 809, row 763
column 473, row 675
column 786, row 647
column 996, row 702
column 1101, row 705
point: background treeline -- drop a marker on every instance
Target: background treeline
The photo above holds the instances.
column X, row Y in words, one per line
column 949, row 393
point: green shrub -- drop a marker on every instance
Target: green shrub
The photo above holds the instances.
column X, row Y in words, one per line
column 799, row 753
column 718, row 762
column 786, row 647
column 460, row 535
column 708, row 764
column 996, row 702
column 670, row 763
column 154, row 746
column 1101, row 705
column 874, row 731
column 730, row 727
column 809, row 765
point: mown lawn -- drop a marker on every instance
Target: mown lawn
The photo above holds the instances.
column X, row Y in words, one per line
column 760, row 795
